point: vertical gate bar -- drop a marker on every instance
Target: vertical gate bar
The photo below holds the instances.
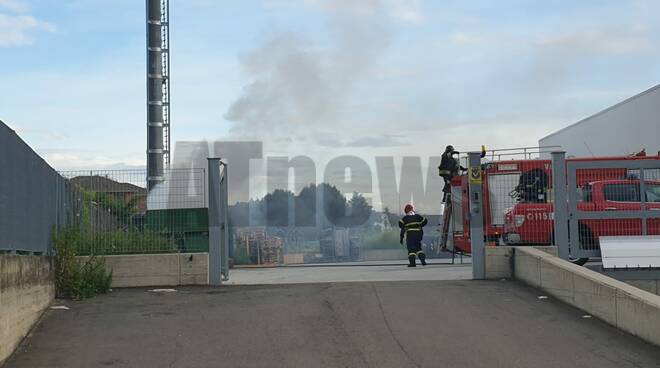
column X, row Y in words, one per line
column 476, row 216
column 560, row 204
column 224, row 241
column 573, row 228
column 215, row 222
column 642, row 195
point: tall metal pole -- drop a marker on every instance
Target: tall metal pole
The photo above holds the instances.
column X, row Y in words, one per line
column 158, row 136
column 561, row 205
column 224, row 222
column 476, row 217
column 215, row 222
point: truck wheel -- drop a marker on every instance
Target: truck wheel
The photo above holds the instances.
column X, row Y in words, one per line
column 575, row 261
column 587, row 239
column 578, row 261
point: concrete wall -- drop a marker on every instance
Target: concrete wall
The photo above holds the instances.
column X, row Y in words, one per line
column 158, row 269
column 385, row 254
column 26, row 289
column 652, row 286
column 499, row 260
column 624, row 306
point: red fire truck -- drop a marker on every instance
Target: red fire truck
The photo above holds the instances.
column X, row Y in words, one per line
column 533, row 223
column 523, row 187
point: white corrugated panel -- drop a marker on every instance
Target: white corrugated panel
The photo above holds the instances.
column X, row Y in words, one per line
column 620, row 130
column 630, row 251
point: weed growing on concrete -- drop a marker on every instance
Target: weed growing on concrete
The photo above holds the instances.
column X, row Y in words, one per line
column 76, row 278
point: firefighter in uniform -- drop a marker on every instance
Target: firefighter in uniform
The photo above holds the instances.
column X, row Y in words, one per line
column 412, row 228
column 448, row 168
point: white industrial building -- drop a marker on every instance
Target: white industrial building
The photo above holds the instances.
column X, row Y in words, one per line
column 623, row 129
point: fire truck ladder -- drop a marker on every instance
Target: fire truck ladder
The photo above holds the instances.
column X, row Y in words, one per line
column 444, row 231
column 446, row 220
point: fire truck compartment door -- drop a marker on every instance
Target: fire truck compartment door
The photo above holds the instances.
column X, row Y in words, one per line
column 499, row 187
column 457, row 209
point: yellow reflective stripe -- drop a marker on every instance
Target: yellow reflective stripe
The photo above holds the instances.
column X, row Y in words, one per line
column 401, row 221
column 411, row 254
column 420, row 252
column 413, row 229
column 414, row 223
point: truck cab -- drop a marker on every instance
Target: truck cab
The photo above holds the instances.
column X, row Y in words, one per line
column 533, row 223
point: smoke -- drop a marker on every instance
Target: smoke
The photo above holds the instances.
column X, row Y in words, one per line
column 296, row 83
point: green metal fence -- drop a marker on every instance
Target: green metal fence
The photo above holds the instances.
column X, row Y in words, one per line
column 112, row 212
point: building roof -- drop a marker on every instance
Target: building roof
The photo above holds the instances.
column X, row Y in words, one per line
column 104, row 184
column 650, row 90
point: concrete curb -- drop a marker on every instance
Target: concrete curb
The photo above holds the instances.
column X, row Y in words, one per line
column 624, row 306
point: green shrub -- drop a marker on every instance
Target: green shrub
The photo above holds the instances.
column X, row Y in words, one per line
column 87, row 242
column 74, row 278
column 121, row 242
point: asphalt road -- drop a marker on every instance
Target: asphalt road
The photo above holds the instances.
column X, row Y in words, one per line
column 384, row 324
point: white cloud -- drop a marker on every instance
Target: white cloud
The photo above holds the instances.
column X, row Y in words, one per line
column 63, row 160
column 403, row 11
column 631, row 40
column 33, row 131
column 365, row 7
column 463, row 39
column 15, row 6
column 17, row 30
column 406, row 11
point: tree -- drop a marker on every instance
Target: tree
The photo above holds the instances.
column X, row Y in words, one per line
column 334, row 204
column 277, row 207
column 359, row 210
column 274, row 207
column 305, row 206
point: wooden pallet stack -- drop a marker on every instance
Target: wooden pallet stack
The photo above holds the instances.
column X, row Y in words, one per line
column 261, row 247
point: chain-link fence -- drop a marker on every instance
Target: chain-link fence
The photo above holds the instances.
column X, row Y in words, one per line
column 610, row 197
column 112, row 212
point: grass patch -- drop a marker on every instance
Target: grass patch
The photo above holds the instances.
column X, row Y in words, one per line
column 122, row 242
column 87, row 242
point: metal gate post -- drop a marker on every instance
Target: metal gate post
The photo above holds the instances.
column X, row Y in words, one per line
column 215, row 222
column 224, row 223
column 476, row 217
column 642, row 191
column 561, row 206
